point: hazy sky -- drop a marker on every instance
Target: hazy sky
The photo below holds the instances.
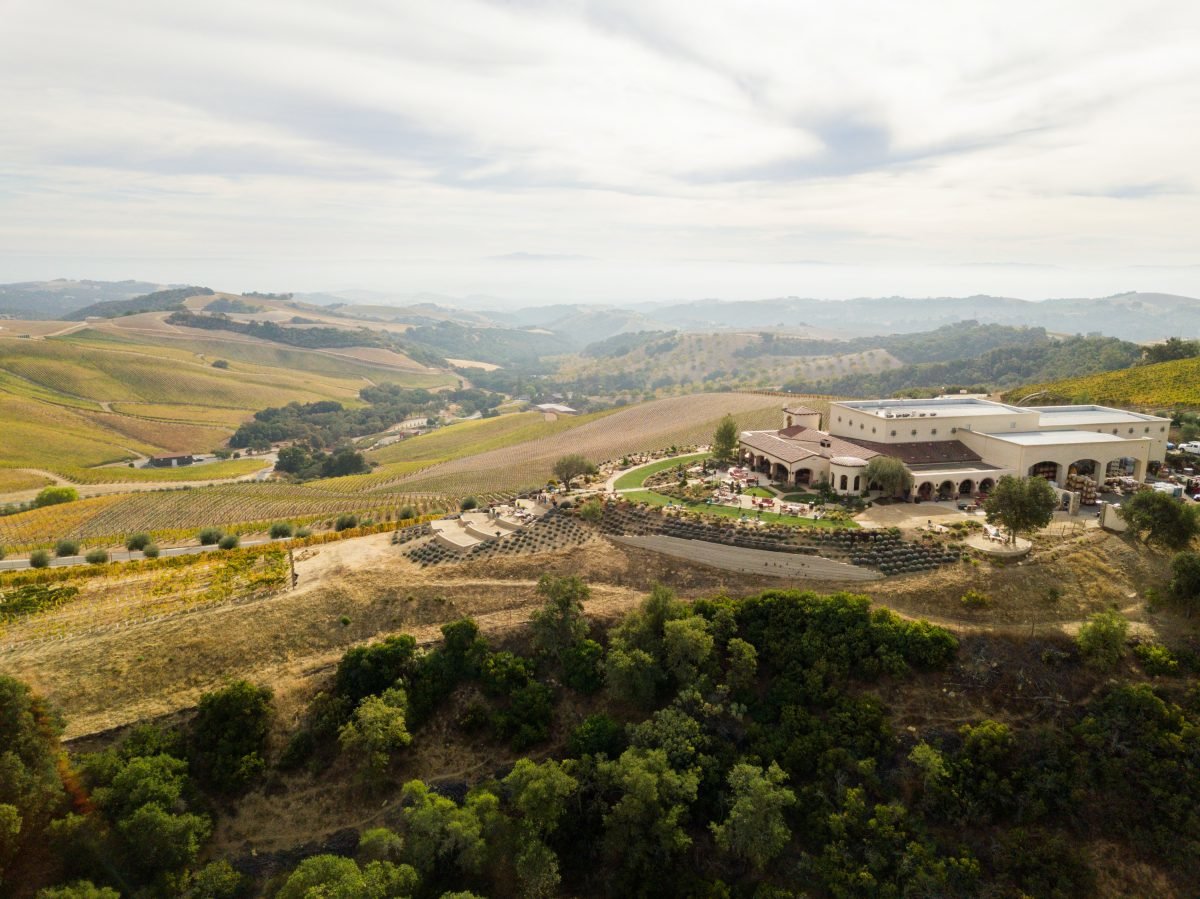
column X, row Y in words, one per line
column 605, row 151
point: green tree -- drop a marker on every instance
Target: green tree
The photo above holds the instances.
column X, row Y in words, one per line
column 439, row 833
column 159, row 840
column 560, row 624
column 755, row 828
column 1102, row 639
column 725, row 440
column 216, row 880
column 30, row 788
column 892, row 475
column 335, row 877
column 1021, row 505
column 572, row 466
column 368, row 670
column 378, row 729
column 79, row 889
column 645, row 822
column 1160, row 518
column 537, row 869
column 688, row 645
column 229, row 736
column 540, row 793
column 1169, row 350
column 632, row 676
column 1185, row 579
column 743, row 665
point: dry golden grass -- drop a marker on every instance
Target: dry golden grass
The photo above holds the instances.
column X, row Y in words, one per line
column 13, row 480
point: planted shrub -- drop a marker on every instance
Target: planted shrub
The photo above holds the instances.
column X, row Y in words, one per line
column 150, row 550
column 976, row 599
column 345, row 522
column 137, row 541
column 97, row 556
column 468, row 504
column 406, row 512
column 39, row 558
column 210, row 536
column 229, row 541
column 66, row 548
column 281, row 529
column 303, row 532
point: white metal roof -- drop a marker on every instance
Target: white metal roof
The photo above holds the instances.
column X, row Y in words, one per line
column 1052, row 438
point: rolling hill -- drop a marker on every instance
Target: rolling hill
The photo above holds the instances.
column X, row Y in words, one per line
column 57, row 299
column 134, row 386
column 1167, row 385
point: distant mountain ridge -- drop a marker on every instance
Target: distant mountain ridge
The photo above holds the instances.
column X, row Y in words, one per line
column 58, row 298
column 1130, row 316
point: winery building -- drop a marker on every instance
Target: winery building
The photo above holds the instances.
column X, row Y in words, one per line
column 956, row 446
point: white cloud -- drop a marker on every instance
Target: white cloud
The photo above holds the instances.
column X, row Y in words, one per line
column 683, row 149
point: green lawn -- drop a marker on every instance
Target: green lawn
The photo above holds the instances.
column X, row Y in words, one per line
column 658, row 499
column 637, row 477
column 801, row 498
column 762, row 492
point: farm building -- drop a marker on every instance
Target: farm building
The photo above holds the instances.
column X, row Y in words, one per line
column 171, row 461
column 956, row 446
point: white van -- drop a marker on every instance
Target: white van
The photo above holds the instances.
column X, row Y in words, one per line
column 1193, row 448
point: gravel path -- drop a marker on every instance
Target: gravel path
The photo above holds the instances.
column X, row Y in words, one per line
column 753, row 561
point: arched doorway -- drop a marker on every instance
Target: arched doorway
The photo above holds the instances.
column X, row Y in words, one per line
column 842, row 483
column 987, row 485
column 946, row 489
column 1124, row 467
column 966, row 488
column 779, row 473
column 925, row 491
column 1087, row 468
column 1047, row 470
column 803, row 476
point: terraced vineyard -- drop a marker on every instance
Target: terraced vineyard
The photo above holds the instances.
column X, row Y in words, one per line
column 1168, row 385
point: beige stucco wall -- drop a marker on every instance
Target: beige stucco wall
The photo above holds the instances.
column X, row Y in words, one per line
column 1020, row 458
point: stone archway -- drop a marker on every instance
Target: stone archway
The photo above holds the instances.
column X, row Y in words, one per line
column 966, row 488
column 925, row 491
column 987, row 485
column 804, row 477
column 1047, row 470
column 779, row 473
column 946, row 488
